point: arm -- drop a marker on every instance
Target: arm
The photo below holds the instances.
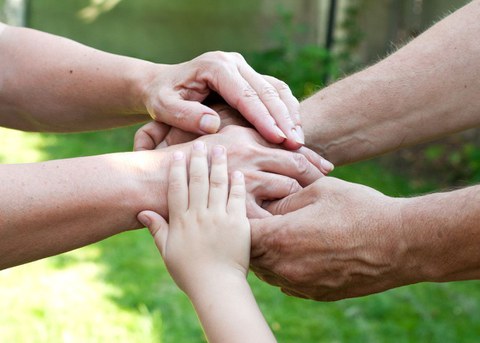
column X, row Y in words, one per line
column 50, row 83
column 425, row 90
column 206, row 246
column 51, row 207
column 345, row 240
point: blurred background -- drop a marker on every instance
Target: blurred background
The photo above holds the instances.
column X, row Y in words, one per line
column 118, row 290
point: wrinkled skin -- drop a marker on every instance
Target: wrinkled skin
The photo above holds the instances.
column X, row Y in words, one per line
column 330, row 241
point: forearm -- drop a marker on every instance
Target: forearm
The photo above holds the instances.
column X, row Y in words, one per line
column 52, row 207
column 440, row 236
column 228, row 311
column 425, row 90
column 49, row 83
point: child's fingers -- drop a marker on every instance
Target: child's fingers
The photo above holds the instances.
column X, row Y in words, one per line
column 177, row 185
column 236, row 199
column 198, row 187
column 218, row 179
column 157, row 226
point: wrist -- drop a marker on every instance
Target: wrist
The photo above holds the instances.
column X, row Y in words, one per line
column 216, row 284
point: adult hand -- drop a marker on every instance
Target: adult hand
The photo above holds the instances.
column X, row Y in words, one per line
column 330, row 241
column 270, row 173
column 174, row 96
column 155, row 134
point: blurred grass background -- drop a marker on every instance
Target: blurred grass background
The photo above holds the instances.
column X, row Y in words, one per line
column 119, row 291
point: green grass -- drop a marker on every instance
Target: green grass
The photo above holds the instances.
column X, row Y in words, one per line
column 119, row 291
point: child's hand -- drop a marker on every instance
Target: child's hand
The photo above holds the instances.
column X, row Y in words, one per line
column 209, row 234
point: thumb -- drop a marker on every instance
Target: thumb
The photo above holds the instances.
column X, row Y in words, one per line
column 191, row 116
column 157, row 226
column 293, row 202
column 150, row 135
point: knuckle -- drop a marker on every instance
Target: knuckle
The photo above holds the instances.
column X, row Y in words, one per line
column 196, row 178
column 237, row 193
column 270, row 92
column 249, row 93
column 218, row 182
column 175, row 185
column 294, row 186
column 302, row 164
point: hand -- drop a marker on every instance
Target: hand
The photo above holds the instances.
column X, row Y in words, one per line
column 270, row 173
column 330, row 241
column 175, row 94
column 158, row 135
column 208, row 234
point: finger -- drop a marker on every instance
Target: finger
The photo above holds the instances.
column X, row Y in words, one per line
column 289, row 100
column 149, row 136
column 293, row 107
column 177, row 185
column 191, row 116
column 254, row 210
column 321, row 163
column 157, row 226
column 218, row 194
column 292, row 164
column 293, row 202
column 268, row 186
column 178, row 136
column 236, row 198
column 198, row 185
column 270, row 97
column 239, row 94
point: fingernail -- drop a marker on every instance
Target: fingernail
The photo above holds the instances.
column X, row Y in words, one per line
column 198, row 145
column 178, row 155
column 209, row 123
column 218, row 150
column 237, row 175
column 327, row 165
column 299, row 139
column 142, row 218
column 280, row 132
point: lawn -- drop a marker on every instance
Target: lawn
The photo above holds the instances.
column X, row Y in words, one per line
column 119, row 291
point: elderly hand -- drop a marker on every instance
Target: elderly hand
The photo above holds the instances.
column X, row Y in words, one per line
column 174, row 95
column 330, row 241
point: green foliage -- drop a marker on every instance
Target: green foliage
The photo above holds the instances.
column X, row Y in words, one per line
column 304, row 67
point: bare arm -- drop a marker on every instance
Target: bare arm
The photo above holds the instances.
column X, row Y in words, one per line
column 49, row 83
column 206, row 246
column 51, row 207
column 366, row 242
column 425, row 90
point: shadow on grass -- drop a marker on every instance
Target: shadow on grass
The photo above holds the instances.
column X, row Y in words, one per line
column 131, row 264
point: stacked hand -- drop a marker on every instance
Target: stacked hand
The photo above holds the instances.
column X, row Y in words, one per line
column 175, row 92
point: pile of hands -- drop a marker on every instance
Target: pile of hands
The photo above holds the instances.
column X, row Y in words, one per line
column 295, row 236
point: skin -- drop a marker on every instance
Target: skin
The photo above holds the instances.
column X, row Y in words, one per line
column 86, row 89
column 52, row 84
column 55, row 206
column 366, row 242
column 350, row 240
column 206, row 245
column 426, row 90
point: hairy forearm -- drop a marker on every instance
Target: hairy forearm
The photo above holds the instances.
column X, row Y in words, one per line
column 440, row 236
column 49, row 83
column 52, row 207
column 228, row 311
column 425, row 90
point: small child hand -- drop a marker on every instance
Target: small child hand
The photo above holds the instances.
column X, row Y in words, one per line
column 209, row 233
